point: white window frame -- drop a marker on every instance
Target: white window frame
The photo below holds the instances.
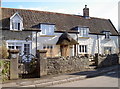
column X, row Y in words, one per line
column 47, row 29
column 83, row 48
column 22, row 42
column 50, row 49
column 107, row 34
column 83, row 31
column 16, row 25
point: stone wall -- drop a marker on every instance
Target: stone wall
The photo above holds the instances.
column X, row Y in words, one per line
column 66, row 65
column 108, row 60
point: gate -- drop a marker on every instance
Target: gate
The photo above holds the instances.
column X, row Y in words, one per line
column 27, row 66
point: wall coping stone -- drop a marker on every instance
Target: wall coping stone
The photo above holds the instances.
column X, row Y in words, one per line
column 13, row 51
column 42, row 51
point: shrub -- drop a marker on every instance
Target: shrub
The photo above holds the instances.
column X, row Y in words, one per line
column 5, row 69
column 3, row 51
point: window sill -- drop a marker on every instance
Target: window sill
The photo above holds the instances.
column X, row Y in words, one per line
column 16, row 30
column 47, row 35
column 84, row 37
column 107, row 39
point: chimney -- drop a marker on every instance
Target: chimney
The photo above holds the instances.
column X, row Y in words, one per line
column 86, row 12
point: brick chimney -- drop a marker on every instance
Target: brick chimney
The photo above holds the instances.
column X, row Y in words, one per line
column 86, row 12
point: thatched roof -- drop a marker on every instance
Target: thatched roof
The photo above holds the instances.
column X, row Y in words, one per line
column 66, row 39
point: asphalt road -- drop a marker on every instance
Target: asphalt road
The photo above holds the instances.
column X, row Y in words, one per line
column 109, row 79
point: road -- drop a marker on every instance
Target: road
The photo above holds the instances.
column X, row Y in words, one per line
column 109, row 79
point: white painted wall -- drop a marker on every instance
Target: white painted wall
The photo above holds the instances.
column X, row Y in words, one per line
column 92, row 42
column 44, row 40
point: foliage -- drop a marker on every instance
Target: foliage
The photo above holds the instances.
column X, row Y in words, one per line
column 4, row 69
column 3, row 51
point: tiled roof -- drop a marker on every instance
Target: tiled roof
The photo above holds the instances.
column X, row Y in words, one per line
column 63, row 22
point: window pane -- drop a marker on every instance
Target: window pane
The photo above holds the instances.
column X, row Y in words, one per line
column 85, row 48
column 18, row 26
column 47, row 29
column 83, row 31
column 26, row 48
column 44, row 47
column 80, row 48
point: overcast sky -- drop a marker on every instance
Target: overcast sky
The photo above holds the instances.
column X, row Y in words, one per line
column 98, row 8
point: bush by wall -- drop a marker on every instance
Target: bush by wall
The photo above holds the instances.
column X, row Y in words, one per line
column 3, row 51
column 5, row 69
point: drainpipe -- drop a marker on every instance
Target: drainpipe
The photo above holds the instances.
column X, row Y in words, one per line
column 36, row 43
column 77, row 45
column 98, row 43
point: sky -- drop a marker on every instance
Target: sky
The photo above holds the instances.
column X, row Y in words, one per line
column 107, row 9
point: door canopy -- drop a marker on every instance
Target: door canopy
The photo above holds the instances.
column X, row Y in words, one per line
column 66, row 39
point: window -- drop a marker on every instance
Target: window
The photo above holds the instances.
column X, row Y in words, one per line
column 26, row 48
column 15, row 46
column 49, row 49
column 107, row 50
column 107, row 35
column 83, row 48
column 83, row 31
column 16, row 22
column 23, row 47
column 16, row 25
column 47, row 29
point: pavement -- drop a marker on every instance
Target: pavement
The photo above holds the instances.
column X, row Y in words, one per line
column 47, row 81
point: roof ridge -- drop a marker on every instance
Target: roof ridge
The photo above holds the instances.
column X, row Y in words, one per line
column 54, row 13
column 42, row 11
column 99, row 18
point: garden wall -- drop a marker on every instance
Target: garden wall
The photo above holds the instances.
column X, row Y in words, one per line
column 66, row 65
column 107, row 60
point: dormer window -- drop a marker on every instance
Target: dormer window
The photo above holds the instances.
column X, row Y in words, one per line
column 83, row 31
column 47, row 29
column 16, row 22
column 15, row 25
column 107, row 34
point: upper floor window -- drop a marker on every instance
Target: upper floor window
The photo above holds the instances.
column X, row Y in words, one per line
column 83, row 31
column 16, row 22
column 47, row 29
column 16, row 25
column 107, row 34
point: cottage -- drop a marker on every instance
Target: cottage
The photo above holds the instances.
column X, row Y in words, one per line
column 59, row 34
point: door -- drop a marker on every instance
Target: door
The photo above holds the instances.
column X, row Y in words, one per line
column 64, row 50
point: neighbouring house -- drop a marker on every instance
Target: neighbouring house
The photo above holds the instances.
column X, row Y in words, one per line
column 59, row 34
